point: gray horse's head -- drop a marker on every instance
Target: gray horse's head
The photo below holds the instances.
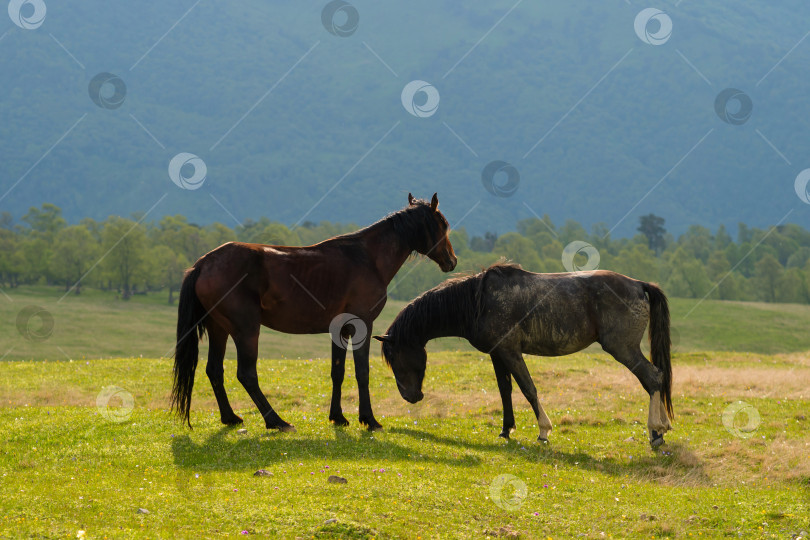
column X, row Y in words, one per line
column 408, row 362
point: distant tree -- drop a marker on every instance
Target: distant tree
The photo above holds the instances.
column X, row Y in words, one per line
column 718, row 269
column 767, row 272
column 697, row 241
column 571, row 232
column 459, row 240
column 45, row 222
column 74, row 253
column 484, row 244
column 519, row 249
column 124, row 242
column 792, row 287
column 652, row 227
column 6, row 221
column 687, row 276
column 166, row 269
column 799, row 258
column 8, row 248
column 638, row 262
column 722, row 238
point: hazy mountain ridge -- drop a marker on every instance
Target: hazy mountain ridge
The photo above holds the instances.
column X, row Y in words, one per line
column 319, row 122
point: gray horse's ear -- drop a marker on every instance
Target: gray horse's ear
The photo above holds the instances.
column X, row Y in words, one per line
column 384, row 339
column 410, row 198
column 434, row 202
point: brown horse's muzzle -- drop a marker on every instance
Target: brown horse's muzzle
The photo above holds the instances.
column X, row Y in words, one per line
column 449, row 264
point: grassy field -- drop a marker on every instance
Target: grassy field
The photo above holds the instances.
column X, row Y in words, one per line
column 89, row 445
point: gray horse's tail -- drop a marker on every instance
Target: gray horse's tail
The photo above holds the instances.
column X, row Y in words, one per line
column 660, row 341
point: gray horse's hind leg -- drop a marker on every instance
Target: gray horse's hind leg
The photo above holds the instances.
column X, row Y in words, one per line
column 505, row 388
column 650, row 378
column 515, row 363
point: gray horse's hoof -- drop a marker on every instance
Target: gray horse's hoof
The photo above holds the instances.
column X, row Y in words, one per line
column 656, row 440
column 542, row 440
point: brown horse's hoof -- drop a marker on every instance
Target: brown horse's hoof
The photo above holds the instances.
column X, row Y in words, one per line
column 339, row 420
column 371, row 424
column 542, row 440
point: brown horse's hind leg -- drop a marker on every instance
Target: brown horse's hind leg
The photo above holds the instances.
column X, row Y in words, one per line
column 516, row 365
column 217, row 340
column 338, row 371
column 247, row 350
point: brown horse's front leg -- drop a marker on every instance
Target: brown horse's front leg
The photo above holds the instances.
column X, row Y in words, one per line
column 338, row 371
column 361, row 370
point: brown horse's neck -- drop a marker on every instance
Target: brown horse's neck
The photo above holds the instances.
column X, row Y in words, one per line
column 391, row 250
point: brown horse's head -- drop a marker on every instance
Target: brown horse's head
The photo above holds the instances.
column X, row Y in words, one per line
column 408, row 363
column 432, row 237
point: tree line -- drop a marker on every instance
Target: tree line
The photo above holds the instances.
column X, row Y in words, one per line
column 134, row 256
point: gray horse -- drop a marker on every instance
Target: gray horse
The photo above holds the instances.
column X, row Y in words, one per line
column 505, row 311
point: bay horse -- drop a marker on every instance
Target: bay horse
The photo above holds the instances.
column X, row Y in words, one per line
column 238, row 287
column 505, row 311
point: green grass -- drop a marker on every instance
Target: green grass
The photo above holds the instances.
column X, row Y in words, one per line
column 97, row 325
column 65, row 467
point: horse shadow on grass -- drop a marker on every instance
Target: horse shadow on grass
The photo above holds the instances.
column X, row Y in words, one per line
column 674, row 464
column 225, row 450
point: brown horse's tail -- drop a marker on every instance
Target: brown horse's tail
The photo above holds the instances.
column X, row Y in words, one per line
column 190, row 329
column 659, row 340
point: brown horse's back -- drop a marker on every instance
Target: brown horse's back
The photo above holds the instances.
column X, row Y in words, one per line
column 296, row 290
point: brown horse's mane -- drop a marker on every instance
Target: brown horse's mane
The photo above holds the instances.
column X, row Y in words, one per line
column 413, row 225
column 454, row 303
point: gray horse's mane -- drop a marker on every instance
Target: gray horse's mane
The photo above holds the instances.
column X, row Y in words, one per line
column 454, row 302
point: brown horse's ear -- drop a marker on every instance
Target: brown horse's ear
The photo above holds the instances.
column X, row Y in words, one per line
column 384, row 339
column 410, row 199
column 434, row 202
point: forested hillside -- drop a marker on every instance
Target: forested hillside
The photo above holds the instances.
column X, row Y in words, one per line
column 298, row 123
column 130, row 256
